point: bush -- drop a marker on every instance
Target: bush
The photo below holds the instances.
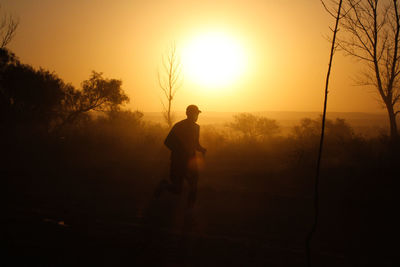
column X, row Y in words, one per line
column 254, row 127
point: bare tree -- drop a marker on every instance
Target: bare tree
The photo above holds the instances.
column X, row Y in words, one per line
column 170, row 80
column 8, row 28
column 371, row 35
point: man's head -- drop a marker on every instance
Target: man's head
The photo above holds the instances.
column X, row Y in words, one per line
column 192, row 112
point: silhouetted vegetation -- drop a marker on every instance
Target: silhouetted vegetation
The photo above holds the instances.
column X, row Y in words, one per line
column 97, row 94
column 371, row 35
column 80, row 159
column 30, row 98
column 8, row 28
column 254, row 127
column 169, row 80
column 39, row 100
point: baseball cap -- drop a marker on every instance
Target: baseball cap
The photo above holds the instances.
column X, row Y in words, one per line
column 192, row 109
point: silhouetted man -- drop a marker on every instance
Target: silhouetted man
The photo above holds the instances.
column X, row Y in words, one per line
column 183, row 141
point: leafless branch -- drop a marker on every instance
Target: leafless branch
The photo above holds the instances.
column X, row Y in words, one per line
column 372, row 33
column 170, row 80
column 8, row 29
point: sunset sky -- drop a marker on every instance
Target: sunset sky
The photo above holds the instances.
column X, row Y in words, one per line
column 275, row 52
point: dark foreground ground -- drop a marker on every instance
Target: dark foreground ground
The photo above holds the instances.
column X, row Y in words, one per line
column 56, row 222
column 165, row 234
column 69, row 205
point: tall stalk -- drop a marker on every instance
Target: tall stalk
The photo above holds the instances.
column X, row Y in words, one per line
column 317, row 174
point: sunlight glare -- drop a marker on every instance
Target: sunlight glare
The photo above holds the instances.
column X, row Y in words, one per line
column 213, row 60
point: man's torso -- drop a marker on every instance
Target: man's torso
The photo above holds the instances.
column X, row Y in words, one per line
column 183, row 139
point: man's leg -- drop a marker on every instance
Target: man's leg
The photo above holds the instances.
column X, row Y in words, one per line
column 161, row 187
column 176, row 177
column 192, row 178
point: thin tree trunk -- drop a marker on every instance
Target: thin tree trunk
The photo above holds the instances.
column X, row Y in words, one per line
column 169, row 113
column 390, row 104
column 316, row 185
column 393, row 123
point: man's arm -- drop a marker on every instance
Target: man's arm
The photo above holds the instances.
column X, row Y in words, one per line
column 198, row 146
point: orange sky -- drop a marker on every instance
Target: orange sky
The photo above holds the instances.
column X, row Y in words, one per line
column 125, row 39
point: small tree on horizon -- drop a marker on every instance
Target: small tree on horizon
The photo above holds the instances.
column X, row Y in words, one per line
column 170, row 81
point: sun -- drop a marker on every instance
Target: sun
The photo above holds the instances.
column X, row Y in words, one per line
column 213, row 60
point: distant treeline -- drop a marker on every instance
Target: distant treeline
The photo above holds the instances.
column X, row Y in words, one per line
column 38, row 107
